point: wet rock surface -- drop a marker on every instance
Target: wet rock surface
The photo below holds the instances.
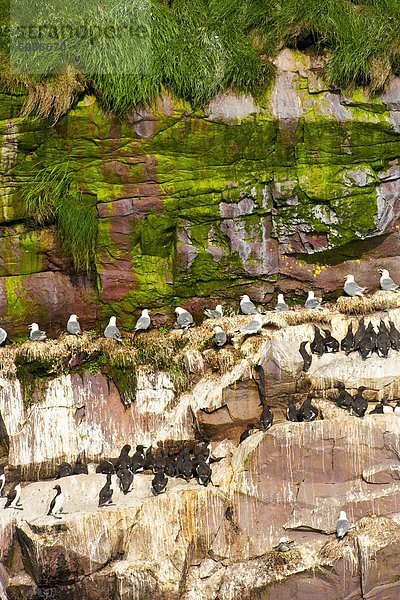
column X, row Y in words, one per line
column 289, row 194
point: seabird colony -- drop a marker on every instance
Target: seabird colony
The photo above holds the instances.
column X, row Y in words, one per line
column 188, row 463
column 185, row 320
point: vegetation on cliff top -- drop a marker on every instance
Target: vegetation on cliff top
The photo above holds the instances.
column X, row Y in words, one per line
column 195, row 49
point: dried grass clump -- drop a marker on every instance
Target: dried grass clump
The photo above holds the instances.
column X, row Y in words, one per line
column 378, row 530
column 7, row 362
column 118, row 355
column 362, row 306
column 335, row 550
column 53, row 97
column 223, row 360
column 280, row 562
column 303, row 316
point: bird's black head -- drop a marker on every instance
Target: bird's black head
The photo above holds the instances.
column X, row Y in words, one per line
column 362, row 388
column 340, row 385
column 126, row 449
column 58, row 488
column 250, row 426
column 140, row 448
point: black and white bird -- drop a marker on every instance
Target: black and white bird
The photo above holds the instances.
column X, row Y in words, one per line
column 281, row 305
column 106, row 493
column 80, row 468
column 159, row 483
column 56, row 505
column 246, row 306
column 387, row 407
column 386, row 282
column 284, row 545
column 184, row 319
column 307, row 358
column 292, row 414
column 214, row 313
column 267, row 418
column 308, row 412
column 345, row 399
column 125, row 477
column 394, row 335
column 203, row 473
column 106, row 467
column 383, row 343
column 360, row 404
column 347, row 343
column 143, row 322
column 377, row 410
column 331, row 344
column 220, row 337
column 2, row 480
column 64, row 470
column 366, row 345
column 359, row 334
column 312, row 302
column 247, row 432
column 342, row 525
column 254, row 327
column 13, row 497
column 138, row 460
column 351, row 288
column 111, row 331
column 35, row 335
column 3, row 336
column 73, row 327
column 123, row 460
column 317, row 345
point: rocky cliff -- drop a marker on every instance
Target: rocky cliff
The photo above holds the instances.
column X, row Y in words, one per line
column 216, row 542
column 290, row 193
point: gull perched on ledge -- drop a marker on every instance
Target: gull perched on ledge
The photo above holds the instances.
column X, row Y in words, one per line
column 351, row 288
column 386, row 282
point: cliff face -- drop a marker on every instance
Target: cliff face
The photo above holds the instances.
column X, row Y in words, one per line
column 215, row 542
column 290, row 194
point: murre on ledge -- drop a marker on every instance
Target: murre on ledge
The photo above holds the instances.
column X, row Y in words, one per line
column 13, row 497
column 307, row 358
column 159, row 482
column 2, row 480
column 56, row 505
column 106, row 492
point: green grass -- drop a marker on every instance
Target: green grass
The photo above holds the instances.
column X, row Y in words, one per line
column 54, row 197
column 198, row 48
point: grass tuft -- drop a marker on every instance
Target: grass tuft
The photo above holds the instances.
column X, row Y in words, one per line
column 54, row 197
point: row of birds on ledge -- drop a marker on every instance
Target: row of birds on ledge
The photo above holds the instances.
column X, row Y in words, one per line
column 181, row 462
column 366, row 340
column 162, row 463
column 184, row 319
column 355, row 405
